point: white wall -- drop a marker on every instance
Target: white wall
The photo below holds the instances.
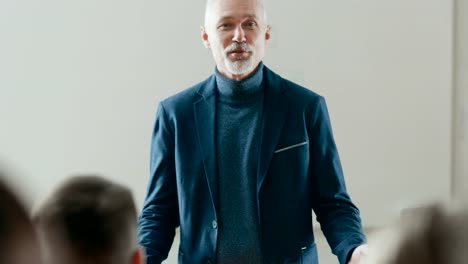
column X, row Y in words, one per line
column 460, row 135
column 80, row 82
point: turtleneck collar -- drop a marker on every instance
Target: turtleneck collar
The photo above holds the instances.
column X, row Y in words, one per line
column 245, row 90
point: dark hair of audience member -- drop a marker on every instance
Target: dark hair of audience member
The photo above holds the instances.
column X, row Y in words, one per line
column 18, row 240
column 90, row 220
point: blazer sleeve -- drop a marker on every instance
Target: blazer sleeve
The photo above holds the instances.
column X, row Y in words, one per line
column 338, row 216
column 160, row 216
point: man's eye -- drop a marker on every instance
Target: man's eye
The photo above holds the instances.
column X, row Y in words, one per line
column 225, row 26
column 251, row 24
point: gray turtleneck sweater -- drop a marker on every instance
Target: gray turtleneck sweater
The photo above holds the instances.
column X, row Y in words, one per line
column 238, row 123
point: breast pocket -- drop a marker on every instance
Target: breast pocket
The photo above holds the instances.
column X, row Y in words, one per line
column 288, row 169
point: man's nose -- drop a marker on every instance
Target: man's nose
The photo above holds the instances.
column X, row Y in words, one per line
column 239, row 35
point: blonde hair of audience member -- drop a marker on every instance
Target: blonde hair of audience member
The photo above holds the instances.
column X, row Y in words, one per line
column 89, row 219
column 436, row 234
column 18, row 240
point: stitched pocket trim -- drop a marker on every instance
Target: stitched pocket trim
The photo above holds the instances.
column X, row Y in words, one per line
column 290, row 147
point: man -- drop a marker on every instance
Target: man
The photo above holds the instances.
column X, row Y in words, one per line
column 18, row 240
column 89, row 219
column 240, row 160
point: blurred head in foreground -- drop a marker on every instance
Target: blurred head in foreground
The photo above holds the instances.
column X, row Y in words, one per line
column 18, row 241
column 431, row 235
column 89, row 219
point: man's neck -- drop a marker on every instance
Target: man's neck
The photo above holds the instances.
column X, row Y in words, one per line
column 240, row 90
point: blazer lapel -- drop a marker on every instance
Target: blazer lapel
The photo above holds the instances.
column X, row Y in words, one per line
column 274, row 116
column 204, row 111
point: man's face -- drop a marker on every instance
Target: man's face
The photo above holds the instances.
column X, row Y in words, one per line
column 237, row 34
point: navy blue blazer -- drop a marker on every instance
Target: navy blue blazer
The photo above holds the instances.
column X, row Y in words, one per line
column 298, row 171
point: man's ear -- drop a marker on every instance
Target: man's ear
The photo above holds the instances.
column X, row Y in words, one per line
column 268, row 32
column 139, row 256
column 204, row 36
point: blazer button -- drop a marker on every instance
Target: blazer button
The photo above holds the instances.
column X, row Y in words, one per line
column 214, row 224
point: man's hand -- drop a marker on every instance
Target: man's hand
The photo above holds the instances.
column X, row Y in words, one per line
column 358, row 255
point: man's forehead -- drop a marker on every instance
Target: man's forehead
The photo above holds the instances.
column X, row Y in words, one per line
column 245, row 16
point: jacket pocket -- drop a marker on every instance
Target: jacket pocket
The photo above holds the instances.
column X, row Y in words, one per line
column 180, row 259
column 291, row 147
column 309, row 254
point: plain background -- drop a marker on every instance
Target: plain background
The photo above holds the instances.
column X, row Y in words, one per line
column 80, row 82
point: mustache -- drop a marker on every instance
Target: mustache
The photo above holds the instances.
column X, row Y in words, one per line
column 238, row 46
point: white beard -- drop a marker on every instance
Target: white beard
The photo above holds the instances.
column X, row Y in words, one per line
column 240, row 67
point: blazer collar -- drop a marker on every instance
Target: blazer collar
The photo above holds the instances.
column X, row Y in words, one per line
column 205, row 115
column 275, row 110
column 208, row 87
